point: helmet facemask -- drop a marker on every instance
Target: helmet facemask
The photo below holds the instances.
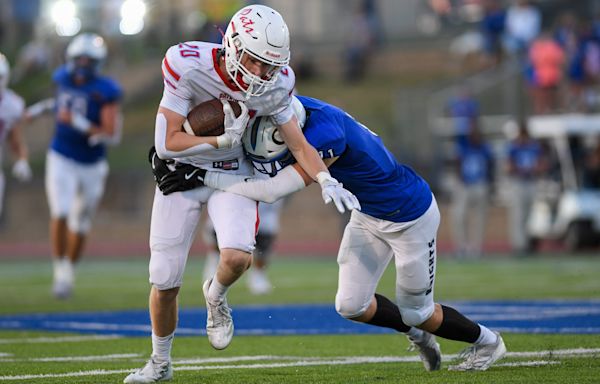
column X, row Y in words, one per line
column 264, row 145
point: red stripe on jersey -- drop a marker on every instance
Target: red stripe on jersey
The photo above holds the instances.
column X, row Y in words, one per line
column 168, row 82
column 257, row 221
column 170, row 70
column 223, row 77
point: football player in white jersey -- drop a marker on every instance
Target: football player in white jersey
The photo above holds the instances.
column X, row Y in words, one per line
column 12, row 109
column 250, row 67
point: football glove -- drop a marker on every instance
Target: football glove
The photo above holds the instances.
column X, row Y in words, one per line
column 160, row 167
column 234, row 126
column 183, row 178
column 333, row 190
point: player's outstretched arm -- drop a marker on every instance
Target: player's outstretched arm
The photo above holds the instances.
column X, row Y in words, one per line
column 21, row 169
column 287, row 181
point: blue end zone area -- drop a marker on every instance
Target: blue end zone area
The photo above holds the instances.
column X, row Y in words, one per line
column 547, row 316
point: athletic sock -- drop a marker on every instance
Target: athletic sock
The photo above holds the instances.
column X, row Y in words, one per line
column 161, row 347
column 388, row 315
column 415, row 334
column 217, row 291
column 486, row 336
column 456, row 326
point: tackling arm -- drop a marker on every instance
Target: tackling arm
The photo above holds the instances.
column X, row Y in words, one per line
column 268, row 190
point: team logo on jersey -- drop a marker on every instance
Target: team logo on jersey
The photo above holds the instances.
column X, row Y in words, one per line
column 227, row 165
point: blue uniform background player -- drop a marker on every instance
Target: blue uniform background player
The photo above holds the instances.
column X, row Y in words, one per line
column 399, row 219
column 87, row 119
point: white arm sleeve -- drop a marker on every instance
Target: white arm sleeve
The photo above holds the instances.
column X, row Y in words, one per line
column 267, row 190
column 160, row 142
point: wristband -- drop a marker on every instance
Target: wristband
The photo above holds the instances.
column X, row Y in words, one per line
column 323, row 177
column 80, row 123
column 223, row 141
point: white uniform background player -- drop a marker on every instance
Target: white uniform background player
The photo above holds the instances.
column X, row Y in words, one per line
column 12, row 108
column 258, row 282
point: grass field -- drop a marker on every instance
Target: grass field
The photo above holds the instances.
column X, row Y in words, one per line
column 45, row 357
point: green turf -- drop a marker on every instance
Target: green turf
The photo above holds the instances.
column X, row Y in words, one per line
column 122, row 284
column 302, row 348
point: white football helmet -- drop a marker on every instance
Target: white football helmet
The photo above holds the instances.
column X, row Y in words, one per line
column 260, row 32
column 88, row 45
column 265, row 147
column 4, row 72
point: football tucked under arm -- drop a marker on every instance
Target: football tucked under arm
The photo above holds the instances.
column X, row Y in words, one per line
column 207, row 118
column 268, row 190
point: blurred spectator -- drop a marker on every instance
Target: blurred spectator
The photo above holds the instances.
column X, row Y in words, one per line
column 591, row 170
column 463, row 108
column 525, row 165
column 545, row 72
column 492, row 28
column 470, row 200
column 523, row 23
column 362, row 38
column 584, row 70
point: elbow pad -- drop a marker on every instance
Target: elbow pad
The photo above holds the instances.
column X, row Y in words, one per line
column 160, row 142
column 267, row 190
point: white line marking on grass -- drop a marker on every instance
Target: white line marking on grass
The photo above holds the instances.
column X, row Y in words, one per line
column 59, row 339
column 313, row 361
column 2, row 354
column 535, row 363
column 75, row 358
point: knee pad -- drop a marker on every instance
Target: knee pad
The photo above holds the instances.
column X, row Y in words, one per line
column 350, row 308
column 164, row 271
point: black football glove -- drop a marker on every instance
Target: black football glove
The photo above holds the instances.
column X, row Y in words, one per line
column 160, row 167
column 183, row 178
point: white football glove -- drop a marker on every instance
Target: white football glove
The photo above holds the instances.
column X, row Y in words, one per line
column 234, row 126
column 333, row 190
column 21, row 170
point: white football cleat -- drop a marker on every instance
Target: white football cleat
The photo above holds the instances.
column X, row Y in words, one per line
column 480, row 357
column 219, row 324
column 152, row 372
column 258, row 282
column 429, row 351
column 64, row 279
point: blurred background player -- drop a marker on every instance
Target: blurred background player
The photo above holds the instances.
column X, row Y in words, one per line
column 88, row 118
column 398, row 220
column 526, row 166
column 12, row 109
column 475, row 168
column 268, row 228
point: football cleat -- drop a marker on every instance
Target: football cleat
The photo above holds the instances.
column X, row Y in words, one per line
column 152, row 372
column 480, row 357
column 64, row 279
column 258, row 282
column 429, row 351
column 219, row 324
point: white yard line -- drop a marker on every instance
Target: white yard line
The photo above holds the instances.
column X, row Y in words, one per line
column 59, row 339
column 74, row 358
column 308, row 361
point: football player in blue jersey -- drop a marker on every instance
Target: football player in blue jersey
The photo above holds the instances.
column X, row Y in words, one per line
column 398, row 220
column 88, row 118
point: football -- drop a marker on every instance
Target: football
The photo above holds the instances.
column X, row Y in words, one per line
column 206, row 119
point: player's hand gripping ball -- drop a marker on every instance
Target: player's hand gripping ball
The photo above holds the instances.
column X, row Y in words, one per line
column 206, row 119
